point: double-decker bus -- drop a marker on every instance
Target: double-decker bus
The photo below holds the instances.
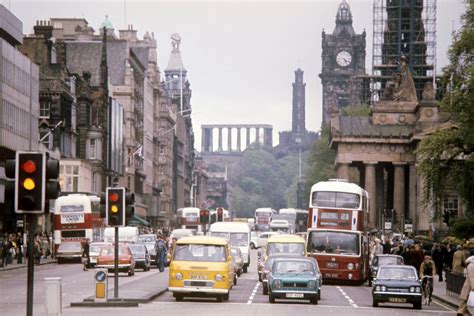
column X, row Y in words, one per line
column 188, row 218
column 77, row 218
column 225, row 213
column 263, row 217
column 338, row 230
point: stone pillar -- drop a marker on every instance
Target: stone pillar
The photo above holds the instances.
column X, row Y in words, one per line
column 399, row 190
column 203, row 139
column 248, row 137
column 219, row 141
column 229, row 139
column 370, row 187
column 267, row 137
column 380, row 198
column 342, row 171
column 257, row 136
column 412, row 193
column 211, row 140
column 239, row 147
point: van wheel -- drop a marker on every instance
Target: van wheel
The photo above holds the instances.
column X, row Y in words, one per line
column 226, row 296
column 220, row 298
column 178, row 297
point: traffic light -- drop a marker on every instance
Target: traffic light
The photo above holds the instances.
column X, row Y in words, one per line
column 52, row 174
column 30, row 180
column 204, row 216
column 220, row 214
column 446, row 216
column 129, row 205
column 115, row 206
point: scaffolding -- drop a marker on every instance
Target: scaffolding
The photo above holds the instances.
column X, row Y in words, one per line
column 402, row 28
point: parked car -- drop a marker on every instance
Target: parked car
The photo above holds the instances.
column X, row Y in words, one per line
column 141, row 256
column 294, row 278
column 238, row 260
column 69, row 251
column 149, row 240
column 397, row 284
column 94, row 251
column 382, row 260
column 126, row 262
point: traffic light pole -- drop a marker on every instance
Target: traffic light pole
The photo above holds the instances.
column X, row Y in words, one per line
column 116, row 285
column 31, row 262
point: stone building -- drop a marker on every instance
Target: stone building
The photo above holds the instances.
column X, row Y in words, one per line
column 343, row 60
column 19, row 106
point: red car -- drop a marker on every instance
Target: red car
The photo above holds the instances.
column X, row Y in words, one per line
column 126, row 262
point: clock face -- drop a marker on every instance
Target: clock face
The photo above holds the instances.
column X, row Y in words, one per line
column 343, row 58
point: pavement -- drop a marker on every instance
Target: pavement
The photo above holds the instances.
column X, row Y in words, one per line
column 146, row 290
column 16, row 265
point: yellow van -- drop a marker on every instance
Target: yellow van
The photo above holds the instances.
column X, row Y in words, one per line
column 281, row 244
column 201, row 266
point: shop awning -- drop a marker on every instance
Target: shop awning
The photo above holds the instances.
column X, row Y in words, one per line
column 137, row 221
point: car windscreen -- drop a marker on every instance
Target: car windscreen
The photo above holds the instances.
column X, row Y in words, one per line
column 239, row 239
column 300, row 267
column 333, row 242
column 285, row 247
column 146, row 239
column 109, row 251
column 199, row 252
column 336, row 199
column 396, row 273
column 382, row 260
column 95, row 248
column 70, row 246
column 137, row 249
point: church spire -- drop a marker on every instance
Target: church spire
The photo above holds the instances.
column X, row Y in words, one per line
column 344, row 20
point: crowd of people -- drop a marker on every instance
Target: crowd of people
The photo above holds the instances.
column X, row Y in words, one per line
column 14, row 248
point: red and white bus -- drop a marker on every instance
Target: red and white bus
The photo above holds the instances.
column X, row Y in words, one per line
column 338, row 230
column 77, row 218
column 263, row 218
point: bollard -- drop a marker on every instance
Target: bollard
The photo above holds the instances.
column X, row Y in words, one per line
column 101, row 285
column 52, row 296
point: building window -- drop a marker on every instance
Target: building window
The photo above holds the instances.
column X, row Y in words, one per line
column 451, row 204
column 45, row 109
column 47, row 141
column 162, row 149
column 70, row 175
column 92, row 148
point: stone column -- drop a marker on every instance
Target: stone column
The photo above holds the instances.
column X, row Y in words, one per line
column 370, row 187
column 203, row 139
column 257, row 136
column 267, row 137
column 380, row 198
column 211, row 140
column 342, row 170
column 220, row 140
column 248, row 137
column 229, row 139
column 412, row 193
column 239, row 147
column 399, row 189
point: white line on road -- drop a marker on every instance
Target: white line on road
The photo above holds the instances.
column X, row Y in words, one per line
column 254, row 292
column 347, row 297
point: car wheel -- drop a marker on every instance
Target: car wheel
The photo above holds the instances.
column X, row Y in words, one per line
column 220, row 298
column 235, row 279
column 314, row 300
column 271, row 298
column 417, row 305
column 226, row 296
column 130, row 272
column 265, row 289
column 319, row 295
column 375, row 303
column 60, row 261
column 370, row 282
column 178, row 297
column 245, row 269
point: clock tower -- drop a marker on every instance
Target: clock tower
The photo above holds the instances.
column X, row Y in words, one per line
column 343, row 60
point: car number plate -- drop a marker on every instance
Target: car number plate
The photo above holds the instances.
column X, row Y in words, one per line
column 397, row 300
column 295, row 295
column 198, row 277
column 333, row 265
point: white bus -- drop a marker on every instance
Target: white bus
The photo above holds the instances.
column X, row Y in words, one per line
column 188, row 218
column 238, row 234
column 263, row 217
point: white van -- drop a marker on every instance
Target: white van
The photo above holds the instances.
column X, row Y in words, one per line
column 126, row 234
column 238, row 234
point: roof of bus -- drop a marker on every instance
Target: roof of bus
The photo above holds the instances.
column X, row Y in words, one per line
column 265, row 209
column 206, row 240
column 230, row 227
column 285, row 238
column 337, row 186
column 333, row 230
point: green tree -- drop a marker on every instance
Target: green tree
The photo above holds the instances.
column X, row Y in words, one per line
column 446, row 156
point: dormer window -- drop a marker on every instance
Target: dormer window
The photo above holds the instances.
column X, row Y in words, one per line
column 45, row 109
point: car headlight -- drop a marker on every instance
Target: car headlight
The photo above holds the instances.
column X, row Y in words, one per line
column 277, row 284
column 383, row 288
column 350, row 266
column 377, row 288
column 179, row 276
column 418, row 289
column 218, row 277
column 312, row 284
column 412, row 289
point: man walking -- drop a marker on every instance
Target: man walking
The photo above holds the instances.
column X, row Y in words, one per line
column 160, row 249
column 438, row 259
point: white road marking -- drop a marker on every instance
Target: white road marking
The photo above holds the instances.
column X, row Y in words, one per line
column 347, row 297
column 252, row 295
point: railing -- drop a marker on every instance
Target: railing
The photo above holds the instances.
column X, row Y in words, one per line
column 454, row 283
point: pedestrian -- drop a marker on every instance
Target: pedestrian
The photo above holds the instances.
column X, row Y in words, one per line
column 377, row 249
column 86, row 255
column 37, row 251
column 467, row 288
column 387, row 245
column 20, row 249
column 438, row 259
column 4, row 251
column 160, row 249
column 459, row 257
column 448, row 257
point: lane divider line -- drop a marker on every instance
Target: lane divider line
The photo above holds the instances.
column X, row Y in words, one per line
column 351, row 302
column 254, row 292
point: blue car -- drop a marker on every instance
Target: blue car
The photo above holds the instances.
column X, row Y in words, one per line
column 294, row 278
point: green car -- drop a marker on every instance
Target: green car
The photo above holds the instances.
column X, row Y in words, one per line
column 295, row 278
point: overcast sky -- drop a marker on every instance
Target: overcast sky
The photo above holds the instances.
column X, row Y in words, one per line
column 240, row 55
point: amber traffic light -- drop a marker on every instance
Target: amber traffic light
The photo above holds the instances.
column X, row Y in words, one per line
column 115, row 206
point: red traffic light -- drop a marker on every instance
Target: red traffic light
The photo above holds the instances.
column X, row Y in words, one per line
column 204, row 213
column 29, row 166
column 113, row 197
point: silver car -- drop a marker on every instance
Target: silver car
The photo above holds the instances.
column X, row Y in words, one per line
column 149, row 240
column 238, row 259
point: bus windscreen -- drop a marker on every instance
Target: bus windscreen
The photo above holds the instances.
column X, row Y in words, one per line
column 336, row 199
column 333, row 242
